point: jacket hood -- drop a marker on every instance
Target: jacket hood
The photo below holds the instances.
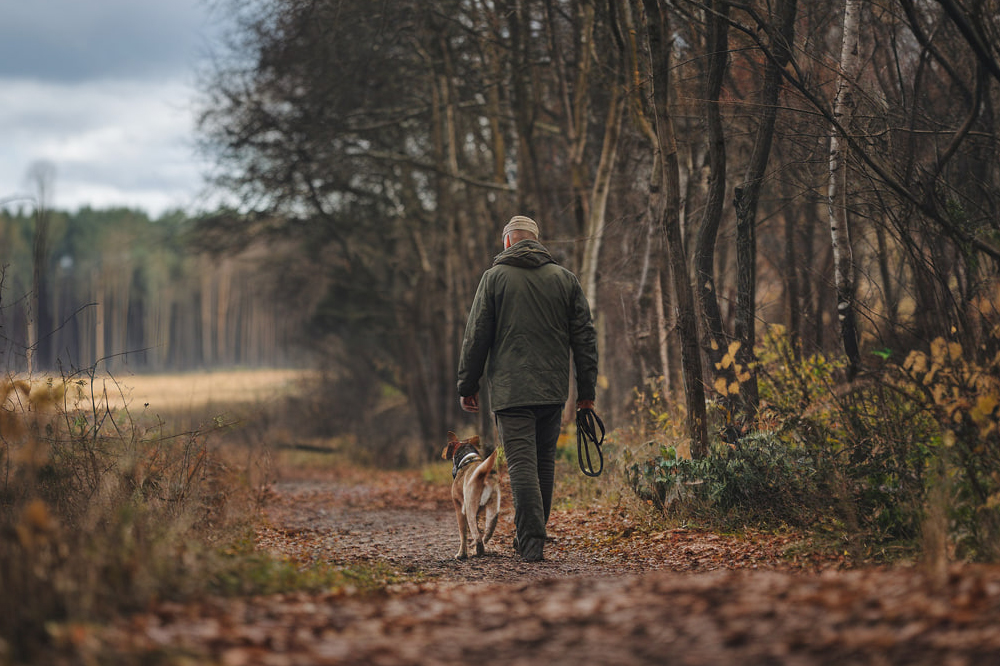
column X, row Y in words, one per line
column 525, row 254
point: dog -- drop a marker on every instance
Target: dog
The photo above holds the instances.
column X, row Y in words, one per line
column 475, row 491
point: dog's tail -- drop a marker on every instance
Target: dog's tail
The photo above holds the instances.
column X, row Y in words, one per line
column 485, row 467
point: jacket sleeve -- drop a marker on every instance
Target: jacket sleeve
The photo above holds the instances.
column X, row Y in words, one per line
column 583, row 341
column 478, row 340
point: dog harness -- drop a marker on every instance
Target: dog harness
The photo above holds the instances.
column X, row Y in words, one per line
column 465, row 455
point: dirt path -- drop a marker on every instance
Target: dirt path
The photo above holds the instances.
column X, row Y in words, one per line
column 609, row 592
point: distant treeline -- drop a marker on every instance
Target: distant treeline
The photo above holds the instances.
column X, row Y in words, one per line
column 117, row 288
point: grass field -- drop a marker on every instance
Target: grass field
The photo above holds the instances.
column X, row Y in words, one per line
column 198, row 391
column 171, row 395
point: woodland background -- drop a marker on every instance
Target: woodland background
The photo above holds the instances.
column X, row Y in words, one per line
column 711, row 170
column 784, row 214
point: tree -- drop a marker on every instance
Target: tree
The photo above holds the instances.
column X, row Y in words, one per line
column 657, row 29
column 397, row 173
column 717, row 56
column 843, row 110
column 41, row 176
column 780, row 31
column 392, row 141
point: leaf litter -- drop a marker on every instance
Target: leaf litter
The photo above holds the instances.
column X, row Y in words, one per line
column 612, row 590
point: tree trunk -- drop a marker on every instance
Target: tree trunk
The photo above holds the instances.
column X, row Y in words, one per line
column 663, row 334
column 529, row 199
column 746, row 197
column 206, row 292
column 889, row 294
column 599, row 200
column 793, row 313
column 717, row 46
column 694, row 391
column 100, row 292
column 42, row 175
column 843, row 260
column 576, row 102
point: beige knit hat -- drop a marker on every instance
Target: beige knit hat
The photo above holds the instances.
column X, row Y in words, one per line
column 522, row 223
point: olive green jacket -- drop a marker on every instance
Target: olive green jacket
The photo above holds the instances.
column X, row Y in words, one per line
column 529, row 313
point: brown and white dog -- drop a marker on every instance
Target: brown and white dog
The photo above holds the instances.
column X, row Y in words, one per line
column 475, row 491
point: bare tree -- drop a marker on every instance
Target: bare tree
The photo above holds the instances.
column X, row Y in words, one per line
column 718, row 339
column 780, row 31
column 843, row 259
column 41, row 177
column 657, row 31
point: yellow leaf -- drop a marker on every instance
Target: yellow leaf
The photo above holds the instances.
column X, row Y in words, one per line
column 720, row 385
column 983, row 409
column 916, row 363
column 949, row 438
column 938, row 350
column 954, row 351
column 734, row 388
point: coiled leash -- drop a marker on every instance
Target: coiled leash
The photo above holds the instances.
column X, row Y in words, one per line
column 587, row 422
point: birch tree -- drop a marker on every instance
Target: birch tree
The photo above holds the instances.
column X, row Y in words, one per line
column 843, row 109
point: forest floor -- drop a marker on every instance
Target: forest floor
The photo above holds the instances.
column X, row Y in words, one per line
column 612, row 589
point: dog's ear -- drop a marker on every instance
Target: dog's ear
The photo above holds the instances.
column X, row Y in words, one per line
column 474, row 440
column 453, row 443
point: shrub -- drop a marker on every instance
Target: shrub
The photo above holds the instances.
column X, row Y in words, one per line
column 873, row 438
column 962, row 392
column 99, row 512
column 852, row 457
column 760, row 481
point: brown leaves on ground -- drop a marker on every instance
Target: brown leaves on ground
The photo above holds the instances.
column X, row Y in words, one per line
column 722, row 617
column 612, row 590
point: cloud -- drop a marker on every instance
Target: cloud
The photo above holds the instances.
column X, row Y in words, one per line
column 103, row 89
column 112, row 142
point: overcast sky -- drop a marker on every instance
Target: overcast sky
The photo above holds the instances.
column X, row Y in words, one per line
column 103, row 90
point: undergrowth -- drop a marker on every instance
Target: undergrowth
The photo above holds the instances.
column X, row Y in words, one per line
column 103, row 511
column 873, row 462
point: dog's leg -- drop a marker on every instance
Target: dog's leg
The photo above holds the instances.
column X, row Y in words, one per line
column 463, row 530
column 481, row 490
column 473, row 493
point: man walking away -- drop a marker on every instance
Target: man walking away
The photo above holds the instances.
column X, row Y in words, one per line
column 528, row 318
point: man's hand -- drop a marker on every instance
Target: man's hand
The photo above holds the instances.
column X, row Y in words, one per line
column 470, row 403
column 584, row 404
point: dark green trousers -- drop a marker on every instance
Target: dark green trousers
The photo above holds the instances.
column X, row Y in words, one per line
column 529, row 436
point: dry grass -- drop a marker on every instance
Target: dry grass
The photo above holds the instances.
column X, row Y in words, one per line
column 109, row 499
column 172, row 393
column 199, row 391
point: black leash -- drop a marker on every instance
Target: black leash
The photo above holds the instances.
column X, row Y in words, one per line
column 587, row 422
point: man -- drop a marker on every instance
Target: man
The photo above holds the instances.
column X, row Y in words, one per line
column 529, row 313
